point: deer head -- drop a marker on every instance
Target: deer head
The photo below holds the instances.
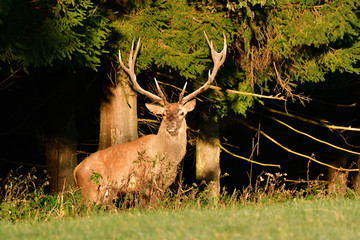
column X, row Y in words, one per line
column 173, row 113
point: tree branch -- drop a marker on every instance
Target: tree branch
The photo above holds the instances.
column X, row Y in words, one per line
column 312, row 137
column 276, row 97
column 288, row 91
column 300, row 154
column 249, row 160
column 314, row 122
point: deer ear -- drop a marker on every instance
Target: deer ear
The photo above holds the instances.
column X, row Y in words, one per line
column 155, row 109
column 189, row 106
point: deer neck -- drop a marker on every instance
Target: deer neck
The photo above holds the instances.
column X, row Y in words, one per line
column 174, row 146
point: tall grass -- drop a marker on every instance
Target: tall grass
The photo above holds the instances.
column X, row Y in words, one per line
column 23, row 198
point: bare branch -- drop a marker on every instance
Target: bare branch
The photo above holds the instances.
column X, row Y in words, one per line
column 322, row 124
column 276, row 97
column 249, row 160
column 300, row 154
column 287, row 89
column 314, row 138
column 9, row 77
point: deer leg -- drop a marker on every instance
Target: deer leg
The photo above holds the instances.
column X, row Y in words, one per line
column 89, row 195
column 94, row 194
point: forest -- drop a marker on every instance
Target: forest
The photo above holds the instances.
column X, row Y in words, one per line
column 286, row 99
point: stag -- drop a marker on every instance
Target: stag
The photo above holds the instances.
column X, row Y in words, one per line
column 148, row 164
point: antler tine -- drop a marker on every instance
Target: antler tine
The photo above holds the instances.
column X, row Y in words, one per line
column 218, row 59
column 160, row 92
column 132, row 59
column 182, row 93
column 131, row 72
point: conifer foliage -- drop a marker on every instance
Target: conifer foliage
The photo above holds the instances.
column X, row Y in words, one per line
column 172, row 34
column 46, row 33
column 273, row 45
column 280, row 44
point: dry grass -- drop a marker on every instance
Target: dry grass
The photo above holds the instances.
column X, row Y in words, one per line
column 23, row 197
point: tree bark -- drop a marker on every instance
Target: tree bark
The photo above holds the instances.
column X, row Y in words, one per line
column 338, row 180
column 118, row 114
column 355, row 178
column 60, row 132
column 61, row 157
column 208, row 157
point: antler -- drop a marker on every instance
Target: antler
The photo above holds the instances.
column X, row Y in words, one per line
column 131, row 72
column 218, row 59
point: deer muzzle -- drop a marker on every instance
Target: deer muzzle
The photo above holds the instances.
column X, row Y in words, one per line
column 171, row 127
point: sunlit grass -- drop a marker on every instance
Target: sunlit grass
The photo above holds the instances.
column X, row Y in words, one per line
column 267, row 210
column 294, row 219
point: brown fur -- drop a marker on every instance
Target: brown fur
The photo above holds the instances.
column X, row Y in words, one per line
column 145, row 165
column 149, row 163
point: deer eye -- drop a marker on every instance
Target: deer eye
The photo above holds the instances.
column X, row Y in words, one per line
column 181, row 113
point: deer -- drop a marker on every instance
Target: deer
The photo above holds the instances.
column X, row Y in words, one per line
column 148, row 164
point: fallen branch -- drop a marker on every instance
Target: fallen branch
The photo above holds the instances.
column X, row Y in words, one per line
column 314, row 138
column 300, row 154
column 306, row 181
column 246, row 159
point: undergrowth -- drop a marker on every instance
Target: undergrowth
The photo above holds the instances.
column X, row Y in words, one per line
column 23, row 197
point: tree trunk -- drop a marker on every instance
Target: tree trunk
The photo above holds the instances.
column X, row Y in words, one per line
column 208, row 157
column 118, row 114
column 61, row 157
column 355, row 178
column 60, row 132
column 338, row 180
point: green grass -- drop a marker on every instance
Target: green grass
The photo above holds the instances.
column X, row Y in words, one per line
column 293, row 219
column 268, row 210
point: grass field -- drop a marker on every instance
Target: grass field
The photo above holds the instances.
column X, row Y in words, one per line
column 266, row 211
column 293, row 219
